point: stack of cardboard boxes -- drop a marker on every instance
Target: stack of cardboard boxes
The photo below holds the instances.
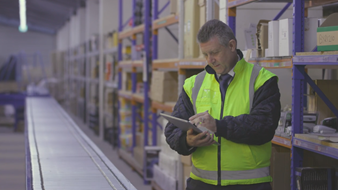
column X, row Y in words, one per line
column 125, row 124
column 163, row 82
column 166, row 173
column 186, row 161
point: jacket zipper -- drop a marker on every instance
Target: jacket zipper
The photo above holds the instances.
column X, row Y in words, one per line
column 219, row 149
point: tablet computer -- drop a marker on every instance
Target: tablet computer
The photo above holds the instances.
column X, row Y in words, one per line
column 181, row 123
column 185, row 125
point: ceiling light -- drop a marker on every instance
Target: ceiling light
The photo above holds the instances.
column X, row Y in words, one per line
column 23, row 24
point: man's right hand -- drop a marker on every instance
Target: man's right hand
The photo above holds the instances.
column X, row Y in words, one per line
column 199, row 140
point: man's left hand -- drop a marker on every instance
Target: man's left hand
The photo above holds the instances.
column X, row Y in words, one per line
column 204, row 119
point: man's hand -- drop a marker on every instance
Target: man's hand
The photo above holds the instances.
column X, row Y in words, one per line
column 204, row 119
column 202, row 139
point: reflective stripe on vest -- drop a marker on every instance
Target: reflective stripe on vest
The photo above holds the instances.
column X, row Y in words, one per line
column 231, row 175
column 200, row 77
column 197, row 85
column 254, row 75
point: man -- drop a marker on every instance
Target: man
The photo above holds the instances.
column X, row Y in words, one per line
column 240, row 104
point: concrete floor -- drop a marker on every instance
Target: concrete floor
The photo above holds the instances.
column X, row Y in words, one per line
column 12, row 159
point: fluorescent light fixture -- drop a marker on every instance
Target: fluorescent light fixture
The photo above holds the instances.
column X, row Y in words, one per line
column 23, row 24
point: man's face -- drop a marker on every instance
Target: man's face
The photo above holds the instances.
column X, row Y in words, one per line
column 222, row 59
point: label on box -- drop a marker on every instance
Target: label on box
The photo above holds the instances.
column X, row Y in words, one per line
column 327, row 38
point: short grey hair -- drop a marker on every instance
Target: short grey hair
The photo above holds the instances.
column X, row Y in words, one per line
column 215, row 28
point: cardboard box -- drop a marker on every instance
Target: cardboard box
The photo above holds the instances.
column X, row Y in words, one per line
column 186, row 160
column 186, row 175
column 139, row 139
column 262, row 37
column 273, row 38
column 191, row 27
column 327, row 34
column 310, row 33
column 173, row 6
column 280, row 168
column 160, row 83
column 317, row 105
column 139, row 155
column 9, row 86
column 285, row 37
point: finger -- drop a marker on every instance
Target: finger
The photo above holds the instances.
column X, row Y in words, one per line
column 197, row 115
column 212, row 139
column 190, row 132
column 206, row 140
column 201, row 135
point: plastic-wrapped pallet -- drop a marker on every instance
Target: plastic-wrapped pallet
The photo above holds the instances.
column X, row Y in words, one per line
column 165, row 181
column 168, row 164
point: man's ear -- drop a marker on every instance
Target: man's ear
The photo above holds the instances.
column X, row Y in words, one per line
column 233, row 45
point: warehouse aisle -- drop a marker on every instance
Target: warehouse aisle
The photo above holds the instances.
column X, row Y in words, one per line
column 112, row 155
column 12, row 159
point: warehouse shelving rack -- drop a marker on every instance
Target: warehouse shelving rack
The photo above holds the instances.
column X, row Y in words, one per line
column 111, row 132
column 299, row 63
column 268, row 63
column 135, row 67
column 92, row 115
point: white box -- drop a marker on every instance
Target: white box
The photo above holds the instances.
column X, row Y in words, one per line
column 168, row 164
column 222, row 4
column 267, row 52
column 165, row 181
column 310, row 34
column 285, row 37
column 273, row 43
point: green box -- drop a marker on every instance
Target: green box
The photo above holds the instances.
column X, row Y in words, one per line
column 327, row 38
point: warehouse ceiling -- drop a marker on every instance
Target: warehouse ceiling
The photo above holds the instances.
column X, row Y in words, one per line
column 46, row 16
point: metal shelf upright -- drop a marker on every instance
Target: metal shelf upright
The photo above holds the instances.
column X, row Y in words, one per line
column 136, row 66
column 300, row 141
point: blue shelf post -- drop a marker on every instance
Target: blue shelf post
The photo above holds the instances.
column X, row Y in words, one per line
column 298, row 88
column 232, row 19
column 154, row 56
column 134, row 108
column 147, row 25
column 119, row 50
column 155, row 32
column 134, row 82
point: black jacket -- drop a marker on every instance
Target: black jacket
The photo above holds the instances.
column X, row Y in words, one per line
column 256, row 128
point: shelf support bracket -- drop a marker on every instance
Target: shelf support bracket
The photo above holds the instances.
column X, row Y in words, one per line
column 171, row 34
column 320, row 93
column 282, row 11
column 164, row 7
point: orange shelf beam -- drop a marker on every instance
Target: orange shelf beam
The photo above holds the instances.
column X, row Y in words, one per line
column 126, row 33
column 166, row 63
column 198, row 63
column 274, row 63
column 281, row 141
column 138, row 98
column 168, row 107
column 138, row 29
column 165, row 21
column 126, row 94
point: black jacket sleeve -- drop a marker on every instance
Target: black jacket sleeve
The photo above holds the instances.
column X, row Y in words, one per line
column 259, row 126
column 175, row 137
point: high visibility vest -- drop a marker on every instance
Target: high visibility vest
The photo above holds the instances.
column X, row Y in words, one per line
column 239, row 163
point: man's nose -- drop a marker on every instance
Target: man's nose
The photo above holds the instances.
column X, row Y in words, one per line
column 211, row 59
